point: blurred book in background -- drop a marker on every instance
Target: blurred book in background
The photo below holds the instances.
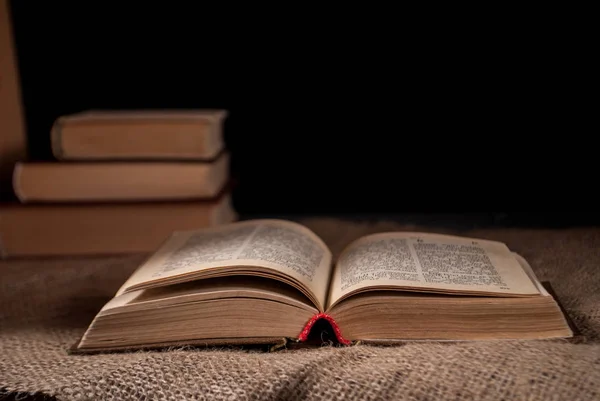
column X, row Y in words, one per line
column 13, row 143
column 119, row 181
column 113, row 189
column 139, row 135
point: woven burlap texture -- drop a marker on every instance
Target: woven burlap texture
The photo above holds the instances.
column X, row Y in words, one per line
column 47, row 304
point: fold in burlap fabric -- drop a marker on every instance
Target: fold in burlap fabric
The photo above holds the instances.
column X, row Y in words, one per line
column 47, row 304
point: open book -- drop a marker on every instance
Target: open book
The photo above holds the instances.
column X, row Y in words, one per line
column 267, row 281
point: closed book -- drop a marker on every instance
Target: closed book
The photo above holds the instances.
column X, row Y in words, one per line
column 139, row 135
column 119, row 181
column 103, row 228
column 13, row 143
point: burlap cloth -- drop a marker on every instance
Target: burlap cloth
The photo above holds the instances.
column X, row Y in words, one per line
column 46, row 305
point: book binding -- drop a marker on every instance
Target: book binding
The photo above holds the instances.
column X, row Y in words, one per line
column 338, row 333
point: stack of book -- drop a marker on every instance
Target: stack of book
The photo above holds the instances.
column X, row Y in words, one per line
column 122, row 182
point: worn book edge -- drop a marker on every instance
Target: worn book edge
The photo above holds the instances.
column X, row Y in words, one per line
column 265, row 343
column 277, row 343
column 577, row 333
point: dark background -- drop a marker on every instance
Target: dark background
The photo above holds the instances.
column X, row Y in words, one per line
column 330, row 120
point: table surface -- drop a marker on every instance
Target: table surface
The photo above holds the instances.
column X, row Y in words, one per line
column 48, row 303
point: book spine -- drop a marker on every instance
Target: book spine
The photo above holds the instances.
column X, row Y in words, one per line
column 338, row 333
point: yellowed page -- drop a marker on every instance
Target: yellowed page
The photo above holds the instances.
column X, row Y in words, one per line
column 527, row 268
column 430, row 262
column 202, row 290
column 279, row 245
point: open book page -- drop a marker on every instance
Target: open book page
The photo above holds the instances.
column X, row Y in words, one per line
column 209, row 289
column 527, row 268
column 432, row 262
column 285, row 247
